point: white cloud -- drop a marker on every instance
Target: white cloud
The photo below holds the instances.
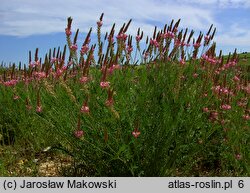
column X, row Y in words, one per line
column 27, row 17
column 31, row 17
column 235, row 36
column 220, row 3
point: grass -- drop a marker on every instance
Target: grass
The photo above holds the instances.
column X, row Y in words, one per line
column 166, row 117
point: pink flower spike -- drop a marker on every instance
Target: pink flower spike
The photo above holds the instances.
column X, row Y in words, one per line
column 138, row 38
column 79, row 133
column 195, row 75
column 53, row 60
column 116, row 66
column 246, row 117
column 84, row 49
column 205, row 109
column 109, row 102
column 110, row 70
column 111, row 39
column 105, row 84
column 73, row 47
column 213, row 116
column 182, row 62
column 236, row 79
column 84, row 79
column 238, row 156
column 205, row 94
column 207, row 38
column 136, row 133
column 84, row 109
column 70, row 63
column 197, row 45
column 16, row 97
column 40, row 75
column 99, row 23
column 68, row 32
column 39, row 109
column 129, row 49
column 225, row 107
column 11, row 82
column 59, row 72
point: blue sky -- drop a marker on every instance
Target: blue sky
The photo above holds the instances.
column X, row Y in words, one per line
column 28, row 24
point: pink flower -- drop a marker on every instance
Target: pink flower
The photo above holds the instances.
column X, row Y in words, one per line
column 146, row 55
column 84, row 109
column 195, row 75
column 236, row 79
column 111, row 39
column 213, row 116
column 216, row 89
column 197, row 45
column 238, row 156
column 109, row 102
column 225, row 107
column 59, row 72
column 116, row 66
column 110, row 70
column 84, row 79
column 99, row 23
column 182, row 62
column 33, row 64
column 122, row 36
column 85, row 49
column 205, row 109
column 12, row 82
column 39, row 109
column 205, row 57
column 154, row 42
column 15, row 97
column 73, row 47
column 53, row 60
column 224, row 91
column 207, row 38
column 70, row 63
column 242, row 102
column 169, row 35
column 138, row 38
column 64, row 68
column 129, row 49
column 79, row 133
column 246, row 117
column 68, row 32
column 233, row 63
column 217, row 72
column 136, row 133
column 247, row 89
column 175, row 29
column 177, row 42
column 104, row 84
column 40, row 75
